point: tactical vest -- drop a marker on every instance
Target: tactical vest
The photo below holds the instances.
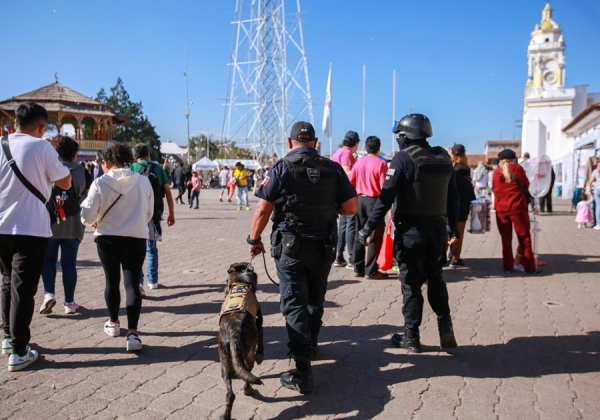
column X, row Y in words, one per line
column 427, row 196
column 310, row 192
column 240, row 298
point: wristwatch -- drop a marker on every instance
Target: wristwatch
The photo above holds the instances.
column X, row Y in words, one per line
column 253, row 241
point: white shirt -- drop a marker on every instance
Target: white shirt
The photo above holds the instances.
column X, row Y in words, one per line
column 21, row 212
column 130, row 215
column 596, row 176
column 224, row 177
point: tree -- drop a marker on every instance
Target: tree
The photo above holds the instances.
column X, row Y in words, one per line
column 139, row 129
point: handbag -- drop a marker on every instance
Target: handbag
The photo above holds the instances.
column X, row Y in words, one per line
column 525, row 192
column 50, row 204
column 385, row 260
column 107, row 210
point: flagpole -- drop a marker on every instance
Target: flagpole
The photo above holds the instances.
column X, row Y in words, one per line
column 393, row 110
column 364, row 110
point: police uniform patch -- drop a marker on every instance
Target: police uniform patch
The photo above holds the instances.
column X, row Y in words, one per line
column 391, row 172
column 266, row 181
column 313, row 174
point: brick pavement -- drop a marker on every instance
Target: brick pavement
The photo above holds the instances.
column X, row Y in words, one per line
column 528, row 345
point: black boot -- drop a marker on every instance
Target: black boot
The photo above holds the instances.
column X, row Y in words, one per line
column 409, row 341
column 447, row 339
column 301, row 378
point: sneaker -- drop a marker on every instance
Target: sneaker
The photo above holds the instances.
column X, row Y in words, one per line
column 340, row 263
column 221, row 200
column 457, row 263
column 247, row 208
column 17, row 362
column 7, row 345
column 239, row 209
column 229, row 200
column 518, row 267
column 133, row 342
column 48, row 304
column 71, row 308
column 350, row 266
column 597, row 227
column 153, row 285
column 377, row 276
column 142, row 291
column 112, row 329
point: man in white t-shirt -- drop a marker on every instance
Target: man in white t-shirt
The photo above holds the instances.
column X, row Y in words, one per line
column 224, row 178
column 25, row 227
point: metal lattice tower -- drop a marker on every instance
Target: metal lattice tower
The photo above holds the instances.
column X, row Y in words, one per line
column 268, row 88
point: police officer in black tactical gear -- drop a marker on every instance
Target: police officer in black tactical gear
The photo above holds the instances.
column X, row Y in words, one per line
column 420, row 182
column 305, row 193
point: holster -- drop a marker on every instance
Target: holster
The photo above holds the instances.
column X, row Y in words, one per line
column 276, row 244
column 290, row 244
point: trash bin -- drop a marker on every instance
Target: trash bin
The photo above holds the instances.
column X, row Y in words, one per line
column 558, row 191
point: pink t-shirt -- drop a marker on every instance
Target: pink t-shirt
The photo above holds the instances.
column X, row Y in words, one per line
column 196, row 183
column 368, row 175
column 344, row 157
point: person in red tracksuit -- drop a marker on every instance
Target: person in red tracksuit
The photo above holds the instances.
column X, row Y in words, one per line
column 511, row 210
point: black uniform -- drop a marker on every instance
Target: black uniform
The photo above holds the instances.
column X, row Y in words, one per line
column 306, row 191
column 421, row 183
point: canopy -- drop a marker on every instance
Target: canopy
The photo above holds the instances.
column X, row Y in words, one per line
column 205, row 163
column 248, row 164
column 170, row 148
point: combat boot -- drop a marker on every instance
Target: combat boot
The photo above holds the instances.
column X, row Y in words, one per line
column 447, row 339
column 409, row 341
column 301, row 378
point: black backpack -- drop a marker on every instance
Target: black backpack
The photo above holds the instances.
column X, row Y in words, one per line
column 148, row 172
column 71, row 201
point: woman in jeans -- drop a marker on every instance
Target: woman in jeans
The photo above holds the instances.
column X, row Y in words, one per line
column 66, row 235
column 119, row 205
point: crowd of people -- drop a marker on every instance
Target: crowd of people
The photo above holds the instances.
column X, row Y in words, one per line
column 321, row 210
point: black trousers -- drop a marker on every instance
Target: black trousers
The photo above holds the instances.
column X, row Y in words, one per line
column 21, row 262
column 129, row 253
column 303, row 284
column 368, row 266
column 546, row 200
column 420, row 247
column 181, row 189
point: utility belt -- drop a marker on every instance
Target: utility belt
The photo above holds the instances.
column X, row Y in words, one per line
column 410, row 219
column 289, row 243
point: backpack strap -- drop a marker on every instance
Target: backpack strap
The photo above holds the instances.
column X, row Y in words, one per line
column 18, row 173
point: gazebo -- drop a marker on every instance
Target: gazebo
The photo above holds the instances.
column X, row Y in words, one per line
column 66, row 106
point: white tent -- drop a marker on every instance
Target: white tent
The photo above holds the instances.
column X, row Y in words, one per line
column 248, row 164
column 170, row 148
column 204, row 164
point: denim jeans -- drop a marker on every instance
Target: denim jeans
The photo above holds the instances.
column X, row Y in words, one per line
column 68, row 263
column 346, row 231
column 242, row 196
column 597, row 205
column 152, row 254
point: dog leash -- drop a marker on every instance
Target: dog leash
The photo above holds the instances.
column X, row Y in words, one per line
column 266, row 271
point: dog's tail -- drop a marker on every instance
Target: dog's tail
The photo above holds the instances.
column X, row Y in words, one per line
column 239, row 366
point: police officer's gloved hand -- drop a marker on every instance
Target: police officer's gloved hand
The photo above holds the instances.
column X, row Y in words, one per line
column 363, row 235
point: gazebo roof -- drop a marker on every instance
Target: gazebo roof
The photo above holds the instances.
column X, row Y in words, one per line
column 60, row 99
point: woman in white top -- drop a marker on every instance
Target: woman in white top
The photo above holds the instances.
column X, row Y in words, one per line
column 595, row 185
column 119, row 205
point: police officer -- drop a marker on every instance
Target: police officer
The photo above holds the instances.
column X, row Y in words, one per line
column 421, row 182
column 305, row 193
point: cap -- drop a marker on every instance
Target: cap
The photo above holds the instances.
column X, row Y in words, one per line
column 458, row 149
column 302, row 131
column 352, row 136
column 507, row 154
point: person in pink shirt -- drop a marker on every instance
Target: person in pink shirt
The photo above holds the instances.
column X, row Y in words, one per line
column 196, row 184
column 368, row 176
column 347, row 224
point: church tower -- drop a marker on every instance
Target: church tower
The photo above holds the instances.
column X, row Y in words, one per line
column 549, row 105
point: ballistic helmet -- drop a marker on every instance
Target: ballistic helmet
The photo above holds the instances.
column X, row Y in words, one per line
column 413, row 126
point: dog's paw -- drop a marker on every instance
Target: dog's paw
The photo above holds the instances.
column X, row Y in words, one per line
column 259, row 357
column 248, row 391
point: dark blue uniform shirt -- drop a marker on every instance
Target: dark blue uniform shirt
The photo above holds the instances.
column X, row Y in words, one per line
column 274, row 187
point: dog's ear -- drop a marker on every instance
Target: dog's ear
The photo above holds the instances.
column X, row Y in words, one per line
column 232, row 269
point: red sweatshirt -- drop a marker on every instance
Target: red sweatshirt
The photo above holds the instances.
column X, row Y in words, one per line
column 508, row 197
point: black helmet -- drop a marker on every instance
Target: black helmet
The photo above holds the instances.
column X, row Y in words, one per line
column 414, row 127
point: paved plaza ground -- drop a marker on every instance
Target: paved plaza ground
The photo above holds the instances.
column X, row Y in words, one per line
column 528, row 346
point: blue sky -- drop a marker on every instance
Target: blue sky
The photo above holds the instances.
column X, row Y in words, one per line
column 461, row 62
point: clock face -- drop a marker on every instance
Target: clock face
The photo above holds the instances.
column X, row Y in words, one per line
column 550, row 77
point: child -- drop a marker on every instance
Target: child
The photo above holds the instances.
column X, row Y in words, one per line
column 196, row 184
column 584, row 214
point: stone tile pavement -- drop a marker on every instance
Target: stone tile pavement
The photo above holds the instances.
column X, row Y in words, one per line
column 528, row 345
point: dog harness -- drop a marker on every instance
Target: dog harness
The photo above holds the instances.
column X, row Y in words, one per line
column 240, row 298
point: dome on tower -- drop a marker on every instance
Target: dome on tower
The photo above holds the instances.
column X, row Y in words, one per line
column 547, row 22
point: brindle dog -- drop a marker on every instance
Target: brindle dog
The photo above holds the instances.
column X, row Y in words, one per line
column 240, row 334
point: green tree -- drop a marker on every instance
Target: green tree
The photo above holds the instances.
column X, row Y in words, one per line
column 139, row 129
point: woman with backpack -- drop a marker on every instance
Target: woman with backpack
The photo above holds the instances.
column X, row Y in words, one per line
column 120, row 205
column 67, row 233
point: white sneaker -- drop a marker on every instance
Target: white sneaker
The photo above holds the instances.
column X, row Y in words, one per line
column 134, row 343
column 71, row 308
column 48, row 304
column 7, row 345
column 153, row 285
column 597, row 227
column 114, row 330
column 518, row 267
column 16, row 362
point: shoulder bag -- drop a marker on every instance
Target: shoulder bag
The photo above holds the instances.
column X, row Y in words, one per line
column 528, row 197
column 102, row 217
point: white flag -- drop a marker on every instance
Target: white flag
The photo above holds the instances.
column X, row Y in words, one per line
column 327, row 111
